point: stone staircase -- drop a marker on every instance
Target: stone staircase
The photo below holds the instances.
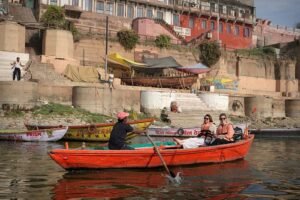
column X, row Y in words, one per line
column 6, row 58
column 193, row 111
column 189, row 119
column 190, row 101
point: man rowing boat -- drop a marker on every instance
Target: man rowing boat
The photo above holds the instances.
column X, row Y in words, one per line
column 119, row 133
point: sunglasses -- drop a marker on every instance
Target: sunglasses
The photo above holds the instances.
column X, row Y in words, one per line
column 222, row 118
column 206, row 118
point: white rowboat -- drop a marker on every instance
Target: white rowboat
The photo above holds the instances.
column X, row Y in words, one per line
column 43, row 135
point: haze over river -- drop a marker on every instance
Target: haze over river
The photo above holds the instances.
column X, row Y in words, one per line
column 270, row 171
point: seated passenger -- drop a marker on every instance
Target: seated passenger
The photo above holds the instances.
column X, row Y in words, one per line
column 207, row 126
column 225, row 131
column 119, row 133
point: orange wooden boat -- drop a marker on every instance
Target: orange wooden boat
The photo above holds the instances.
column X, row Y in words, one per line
column 148, row 158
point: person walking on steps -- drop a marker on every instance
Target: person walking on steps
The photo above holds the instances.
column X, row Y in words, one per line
column 16, row 66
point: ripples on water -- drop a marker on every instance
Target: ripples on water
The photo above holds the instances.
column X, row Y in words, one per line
column 270, row 171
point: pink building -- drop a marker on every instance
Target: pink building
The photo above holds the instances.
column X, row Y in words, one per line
column 267, row 34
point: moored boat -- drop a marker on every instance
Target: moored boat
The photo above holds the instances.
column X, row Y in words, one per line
column 173, row 132
column 95, row 132
column 45, row 135
column 167, row 131
column 148, row 158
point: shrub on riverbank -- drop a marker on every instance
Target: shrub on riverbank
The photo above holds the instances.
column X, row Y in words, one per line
column 53, row 109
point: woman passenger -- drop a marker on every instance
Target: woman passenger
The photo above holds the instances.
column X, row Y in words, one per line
column 207, row 126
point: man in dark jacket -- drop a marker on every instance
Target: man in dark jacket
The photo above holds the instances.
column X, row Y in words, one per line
column 119, row 133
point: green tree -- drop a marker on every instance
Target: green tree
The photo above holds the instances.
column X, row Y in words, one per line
column 210, row 53
column 128, row 38
column 163, row 41
column 54, row 17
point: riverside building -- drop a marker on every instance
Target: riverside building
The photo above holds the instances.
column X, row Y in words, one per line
column 231, row 22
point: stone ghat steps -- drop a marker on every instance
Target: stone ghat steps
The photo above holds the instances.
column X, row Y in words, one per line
column 6, row 58
column 190, row 101
column 192, row 118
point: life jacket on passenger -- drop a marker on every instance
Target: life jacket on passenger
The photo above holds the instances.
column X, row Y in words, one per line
column 223, row 130
column 204, row 130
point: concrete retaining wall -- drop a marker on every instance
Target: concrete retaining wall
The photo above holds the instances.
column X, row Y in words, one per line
column 18, row 95
column 58, row 43
column 12, row 37
column 278, row 108
column 55, row 94
column 25, row 95
column 258, row 107
column 292, row 108
column 215, row 101
column 154, row 101
column 106, row 101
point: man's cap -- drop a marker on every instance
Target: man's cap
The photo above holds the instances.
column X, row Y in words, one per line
column 122, row 115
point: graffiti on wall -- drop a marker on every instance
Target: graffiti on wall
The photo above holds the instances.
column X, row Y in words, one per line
column 224, row 83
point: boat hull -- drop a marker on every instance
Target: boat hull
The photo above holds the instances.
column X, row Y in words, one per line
column 46, row 135
column 97, row 132
column 180, row 132
column 148, row 158
column 173, row 132
column 162, row 82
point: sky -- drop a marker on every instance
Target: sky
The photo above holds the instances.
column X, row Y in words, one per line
column 280, row 12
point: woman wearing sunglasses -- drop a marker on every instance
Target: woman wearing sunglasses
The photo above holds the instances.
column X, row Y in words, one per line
column 207, row 126
column 225, row 131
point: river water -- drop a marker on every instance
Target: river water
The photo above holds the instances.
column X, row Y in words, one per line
column 270, row 171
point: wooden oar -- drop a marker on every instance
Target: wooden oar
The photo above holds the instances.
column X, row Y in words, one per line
column 175, row 178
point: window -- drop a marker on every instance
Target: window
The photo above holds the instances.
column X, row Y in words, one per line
column 53, row 2
column 176, row 21
column 75, row 2
column 109, row 8
column 100, row 7
column 223, row 9
column 130, row 11
column 221, row 27
column 140, row 12
column 212, row 25
column 191, row 22
column 213, row 7
column 88, row 5
column 120, row 10
column 228, row 28
column 204, row 24
column 237, row 30
column 149, row 13
column 160, row 14
column 246, row 32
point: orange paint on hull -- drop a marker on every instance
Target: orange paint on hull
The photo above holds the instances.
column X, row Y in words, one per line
column 147, row 158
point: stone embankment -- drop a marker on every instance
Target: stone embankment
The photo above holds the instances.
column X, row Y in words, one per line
column 178, row 120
